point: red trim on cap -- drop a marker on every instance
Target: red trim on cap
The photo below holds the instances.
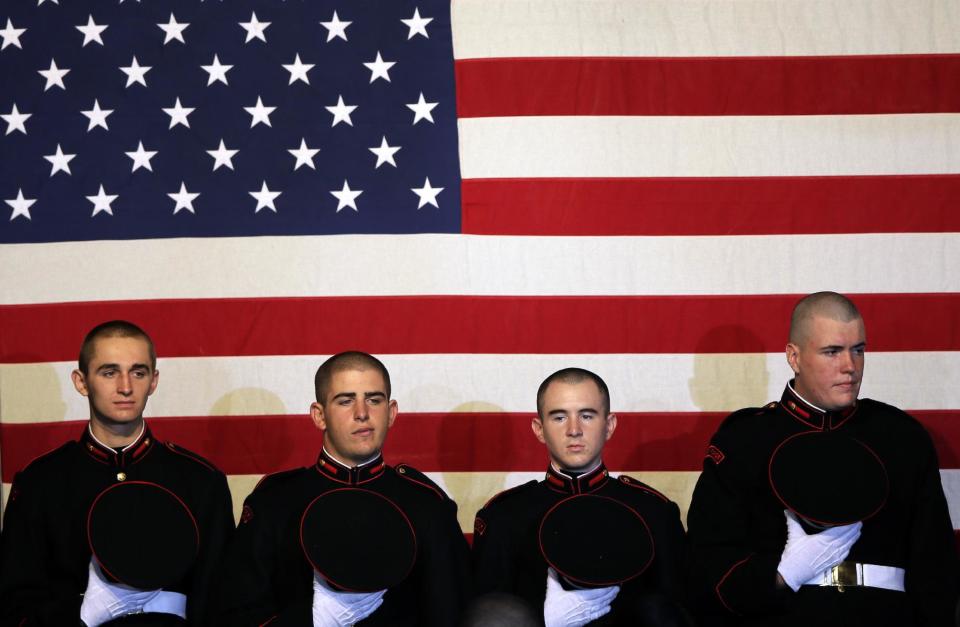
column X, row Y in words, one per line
column 269, row 620
column 196, row 529
column 723, row 579
column 783, row 501
column 653, row 546
column 306, row 553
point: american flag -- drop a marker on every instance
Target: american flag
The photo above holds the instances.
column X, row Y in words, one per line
column 642, row 188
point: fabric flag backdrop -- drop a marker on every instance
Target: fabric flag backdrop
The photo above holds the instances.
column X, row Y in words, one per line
column 480, row 193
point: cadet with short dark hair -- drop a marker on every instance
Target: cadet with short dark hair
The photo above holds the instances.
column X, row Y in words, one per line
column 349, row 539
column 823, row 508
column 581, row 546
column 115, row 523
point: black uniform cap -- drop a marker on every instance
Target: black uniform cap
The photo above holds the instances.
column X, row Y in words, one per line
column 142, row 535
column 828, row 478
column 595, row 541
column 358, row 540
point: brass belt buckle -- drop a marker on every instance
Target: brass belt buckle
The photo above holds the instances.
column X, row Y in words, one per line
column 844, row 574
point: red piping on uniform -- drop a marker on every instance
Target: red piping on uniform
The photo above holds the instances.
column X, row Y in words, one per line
column 646, row 489
column 724, row 578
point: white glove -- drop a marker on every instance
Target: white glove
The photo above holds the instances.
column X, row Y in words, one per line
column 333, row 609
column 806, row 555
column 573, row 608
column 103, row 601
column 167, row 602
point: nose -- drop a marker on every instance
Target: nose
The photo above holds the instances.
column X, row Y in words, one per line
column 124, row 385
column 847, row 363
column 362, row 413
column 574, row 428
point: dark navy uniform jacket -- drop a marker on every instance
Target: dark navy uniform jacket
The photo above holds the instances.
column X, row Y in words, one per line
column 45, row 552
column 506, row 550
column 737, row 529
column 268, row 580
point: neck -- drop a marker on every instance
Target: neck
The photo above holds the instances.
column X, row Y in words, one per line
column 347, row 464
column 116, row 435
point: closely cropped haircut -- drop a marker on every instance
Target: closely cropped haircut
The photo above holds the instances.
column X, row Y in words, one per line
column 826, row 304
column 113, row 328
column 574, row 375
column 349, row 360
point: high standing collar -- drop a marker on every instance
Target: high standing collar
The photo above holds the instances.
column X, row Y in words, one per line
column 130, row 454
column 585, row 483
column 329, row 467
column 812, row 415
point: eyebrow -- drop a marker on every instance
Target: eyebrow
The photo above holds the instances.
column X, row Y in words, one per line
column 354, row 395
column 117, row 367
column 841, row 347
column 579, row 411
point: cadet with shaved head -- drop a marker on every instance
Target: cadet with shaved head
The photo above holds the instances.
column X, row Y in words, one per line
column 822, row 508
column 349, row 539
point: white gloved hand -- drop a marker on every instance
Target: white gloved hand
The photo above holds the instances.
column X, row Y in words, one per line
column 103, row 601
column 333, row 609
column 806, row 555
column 573, row 608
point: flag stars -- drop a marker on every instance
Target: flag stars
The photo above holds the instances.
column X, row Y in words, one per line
column 222, row 156
column 255, row 29
column 54, row 76
column 217, row 71
column 102, row 201
column 97, row 116
column 184, row 199
column 178, row 114
column 427, row 194
column 173, row 30
column 265, row 198
column 11, row 37
column 304, row 155
column 336, row 28
column 15, row 120
column 379, row 68
column 385, row 153
column 298, row 71
column 92, row 31
column 417, row 24
column 341, row 112
column 135, row 72
column 259, row 114
column 21, row 206
column 346, row 197
column 60, row 161
column 141, row 158
column 422, row 109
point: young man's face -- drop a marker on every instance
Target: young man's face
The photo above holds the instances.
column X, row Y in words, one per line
column 829, row 362
column 355, row 415
column 574, row 425
column 118, row 381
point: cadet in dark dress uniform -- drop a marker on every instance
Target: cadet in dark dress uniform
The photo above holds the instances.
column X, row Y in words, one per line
column 574, row 422
column 898, row 567
column 267, row 578
column 46, row 555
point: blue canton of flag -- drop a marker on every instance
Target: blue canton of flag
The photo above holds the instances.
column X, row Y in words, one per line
column 124, row 120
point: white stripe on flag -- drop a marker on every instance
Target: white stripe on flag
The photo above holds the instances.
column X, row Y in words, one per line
column 466, row 383
column 667, row 28
column 799, row 145
column 362, row 265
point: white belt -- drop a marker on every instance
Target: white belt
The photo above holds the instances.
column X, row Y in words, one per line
column 856, row 574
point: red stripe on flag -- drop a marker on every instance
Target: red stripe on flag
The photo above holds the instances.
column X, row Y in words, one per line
column 473, row 442
column 708, row 86
column 469, row 324
column 712, row 206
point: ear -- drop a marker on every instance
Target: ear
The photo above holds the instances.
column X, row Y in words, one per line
column 316, row 414
column 394, row 409
column 154, row 382
column 80, row 382
column 793, row 357
column 537, row 425
column 611, row 425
